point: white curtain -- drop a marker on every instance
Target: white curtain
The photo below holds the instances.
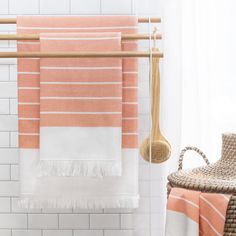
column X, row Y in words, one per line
column 199, row 75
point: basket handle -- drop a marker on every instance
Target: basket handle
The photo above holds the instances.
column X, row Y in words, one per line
column 190, row 148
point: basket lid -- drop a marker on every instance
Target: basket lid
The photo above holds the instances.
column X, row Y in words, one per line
column 218, row 177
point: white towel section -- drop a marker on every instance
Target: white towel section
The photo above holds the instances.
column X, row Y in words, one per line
column 80, row 192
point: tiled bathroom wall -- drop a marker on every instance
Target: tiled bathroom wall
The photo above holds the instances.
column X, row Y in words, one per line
column 74, row 222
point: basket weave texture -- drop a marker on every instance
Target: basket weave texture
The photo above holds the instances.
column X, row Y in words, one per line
column 219, row 177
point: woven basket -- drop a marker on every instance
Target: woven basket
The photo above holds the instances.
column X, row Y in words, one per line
column 213, row 178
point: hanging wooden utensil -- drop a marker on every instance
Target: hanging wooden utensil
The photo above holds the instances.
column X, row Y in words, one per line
column 160, row 147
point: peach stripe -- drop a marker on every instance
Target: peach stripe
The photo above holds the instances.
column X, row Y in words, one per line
column 130, row 110
column 81, row 105
column 25, row 82
column 76, row 21
column 29, row 111
column 208, row 228
column 130, row 141
column 28, row 65
column 97, row 45
column 80, row 90
column 28, row 126
column 80, row 62
column 89, row 76
column 29, row 141
column 130, row 80
column 212, row 216
column 129, row 126
column 217, row 201
column 214, row 205
column 28, row 95
column 82, row 120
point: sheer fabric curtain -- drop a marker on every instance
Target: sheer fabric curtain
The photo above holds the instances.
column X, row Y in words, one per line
column 200, row 70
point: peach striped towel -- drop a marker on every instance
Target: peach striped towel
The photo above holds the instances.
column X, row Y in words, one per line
column 192, row 213
column 80, row 106
column 75, row 191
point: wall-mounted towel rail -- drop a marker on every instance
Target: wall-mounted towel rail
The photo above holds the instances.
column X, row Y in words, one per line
column 77, row 54
column 85, row 54
column 36, row 36
column 140, row 20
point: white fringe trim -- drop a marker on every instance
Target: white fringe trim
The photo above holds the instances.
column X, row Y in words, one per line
column 79, row 168
column 80, row 203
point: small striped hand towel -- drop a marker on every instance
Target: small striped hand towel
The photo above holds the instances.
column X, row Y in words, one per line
column 192, row 213
column 80, row 106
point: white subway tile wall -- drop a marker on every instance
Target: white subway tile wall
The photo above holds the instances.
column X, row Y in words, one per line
column 15, row 221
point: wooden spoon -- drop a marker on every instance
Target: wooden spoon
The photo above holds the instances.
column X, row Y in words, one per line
column 160, row 147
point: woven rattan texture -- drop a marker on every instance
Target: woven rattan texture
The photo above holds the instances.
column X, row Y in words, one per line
column 219, row 177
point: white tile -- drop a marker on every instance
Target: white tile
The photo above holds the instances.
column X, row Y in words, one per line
column 14, row 139
column 9, row 189
column 4, row 73
column 13, row 106
column 158, row 204
column 14, row 172
column 26, row 233
column 43, row 221
column 118, row 233
column 104, row 221
column 82, row 211
column 144, row 188
column 127, row 221
column 5, row 232
column 73, row 221
column 54, row 7
column 57, row 233
column 5, row 205
column 13, row 221
column 24, row 6
column 57, row 210
column 9, row 156
column 17, row 209
column 151, row 7
column 4, row 106
column 144, row 106
column 4, row 172
column 117, row 210
column 4, row 139
column 3, row 44
column 8, row 89
column 144, row 205
column 143, row 89
column 12, row 44
column 116, row 7
column 143, row 123
column 141, row 222
column 4, row 6
column 88, row 233
column 8, row 123
column 13, row 73
column 91, row 7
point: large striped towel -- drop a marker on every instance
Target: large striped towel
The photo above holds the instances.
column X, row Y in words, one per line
column 75, row 191
column 192, row 213
column 80, row 106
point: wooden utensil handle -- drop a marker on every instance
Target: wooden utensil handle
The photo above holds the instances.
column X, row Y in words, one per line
column 155, row 98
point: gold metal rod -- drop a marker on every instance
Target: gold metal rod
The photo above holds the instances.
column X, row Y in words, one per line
column 77, row 54
column 140, row 20
column 36, row 36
